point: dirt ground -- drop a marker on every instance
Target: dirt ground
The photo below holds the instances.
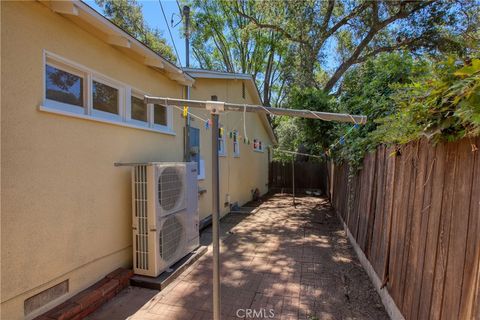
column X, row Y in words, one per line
column 282, row 262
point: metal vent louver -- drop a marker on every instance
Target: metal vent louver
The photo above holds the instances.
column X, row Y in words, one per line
column 171, row 236
column 141, row 237
column 170, row 188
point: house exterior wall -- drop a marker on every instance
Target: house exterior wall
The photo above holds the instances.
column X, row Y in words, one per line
column 239, row 176
column 66, row 210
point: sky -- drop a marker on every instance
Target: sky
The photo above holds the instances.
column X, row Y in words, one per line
column 152, row 14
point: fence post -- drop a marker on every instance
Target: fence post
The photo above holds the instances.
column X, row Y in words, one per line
column 293, row 180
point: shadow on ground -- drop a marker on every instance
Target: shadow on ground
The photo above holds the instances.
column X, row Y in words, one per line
column 285, row 262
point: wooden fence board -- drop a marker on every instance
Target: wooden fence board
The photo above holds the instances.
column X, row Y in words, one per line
column 411, row 266
column 364, row 209
column 416, row 216
column 471, row 272
column 433, row 228
column 458, row 235
column 445, row 222
column 398, row 215
column 371, row 204
column 407, row 204
column 378, row 232
column 392, row 166
column 424, row 214
column 401, row 216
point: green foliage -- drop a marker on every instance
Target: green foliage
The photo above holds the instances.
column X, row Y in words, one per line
column 127, row 14
column 226, row 41
column 286, row 44
column 307, row 135
column 288, row 135
column 443, row 105
column 367, row 90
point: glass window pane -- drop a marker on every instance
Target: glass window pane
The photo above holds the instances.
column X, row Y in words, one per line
column 139, row 109
column 105, row 98
column 159, row 114
column 63, row 87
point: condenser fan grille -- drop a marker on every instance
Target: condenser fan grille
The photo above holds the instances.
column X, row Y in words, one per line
column 170, row 238
column 170, row 188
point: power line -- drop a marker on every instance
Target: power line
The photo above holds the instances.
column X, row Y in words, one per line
column 170, row 32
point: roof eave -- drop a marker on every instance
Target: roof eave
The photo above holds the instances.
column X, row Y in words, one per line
column 118, row 37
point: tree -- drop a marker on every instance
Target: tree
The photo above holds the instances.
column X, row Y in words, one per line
column 443, row 104
column 361, row 29
column 223, row 40
column 368, row 89
column 127, row 14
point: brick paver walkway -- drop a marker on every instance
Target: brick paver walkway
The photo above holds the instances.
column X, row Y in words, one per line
column 280, row 263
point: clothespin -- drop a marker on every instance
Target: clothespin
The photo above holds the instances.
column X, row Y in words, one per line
column 185, row 111
column 221, row 132
column 356, row 126
column 207, row 124
column 342, row 140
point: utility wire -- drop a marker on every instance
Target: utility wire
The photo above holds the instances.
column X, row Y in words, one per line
column 170, row 32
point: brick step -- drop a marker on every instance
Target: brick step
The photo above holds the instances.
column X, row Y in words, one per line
column 90, row 299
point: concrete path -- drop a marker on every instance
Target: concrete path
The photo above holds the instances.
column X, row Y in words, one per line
column 279, row 263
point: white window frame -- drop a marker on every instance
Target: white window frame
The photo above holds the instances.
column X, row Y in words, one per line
column 236, row 154
column 87, row 112
column 222, row 152
column 128, row 114
column 157, row 126
column 121, row 101
column 61, row 105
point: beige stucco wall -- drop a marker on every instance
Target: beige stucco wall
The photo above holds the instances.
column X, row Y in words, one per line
column 238, row 175
column 66, row 210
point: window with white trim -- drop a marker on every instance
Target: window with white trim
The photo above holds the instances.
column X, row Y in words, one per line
column 106, row 100
column 75, row 90
column 236, row 145
column 65, row 87
column 221, row 142
column 138, row 110
column 160, row 117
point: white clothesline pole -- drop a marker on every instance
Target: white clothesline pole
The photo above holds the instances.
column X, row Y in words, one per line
column 299, row 153
column 326, row 116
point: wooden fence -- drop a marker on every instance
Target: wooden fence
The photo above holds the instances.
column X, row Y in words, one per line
column 308, row 175
column 416, row 216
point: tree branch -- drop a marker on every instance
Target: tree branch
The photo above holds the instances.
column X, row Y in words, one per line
column 328, row 14
column 376, row 26
column 356, row 11
column 274, row 27
column 398, row 45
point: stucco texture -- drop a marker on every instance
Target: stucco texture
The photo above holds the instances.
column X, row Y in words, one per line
column 66, row 210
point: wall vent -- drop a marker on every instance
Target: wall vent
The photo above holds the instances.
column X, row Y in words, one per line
column 46, row 296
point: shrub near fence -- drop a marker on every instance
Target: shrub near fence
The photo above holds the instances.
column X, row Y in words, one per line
column 416, row 216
